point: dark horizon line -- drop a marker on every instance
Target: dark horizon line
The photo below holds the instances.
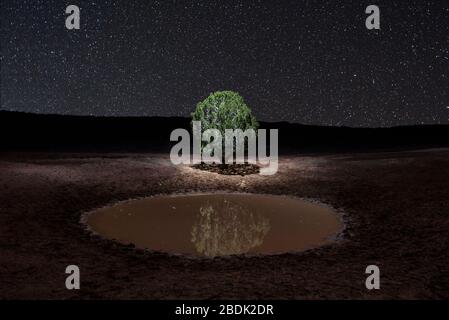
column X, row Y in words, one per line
column 184, row 117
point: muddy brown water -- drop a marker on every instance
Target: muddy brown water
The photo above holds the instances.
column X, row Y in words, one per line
column 210, row 225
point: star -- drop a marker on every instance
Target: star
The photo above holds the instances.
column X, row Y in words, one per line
column 158, row 58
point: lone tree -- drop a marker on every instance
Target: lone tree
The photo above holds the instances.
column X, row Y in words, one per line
column 224, row 110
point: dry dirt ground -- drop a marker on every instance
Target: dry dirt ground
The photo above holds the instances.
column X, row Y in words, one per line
column 396, row 211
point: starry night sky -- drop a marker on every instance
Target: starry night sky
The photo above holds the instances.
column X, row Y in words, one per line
column 311, row 62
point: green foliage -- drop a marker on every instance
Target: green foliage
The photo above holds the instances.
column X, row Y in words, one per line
column 224, row 110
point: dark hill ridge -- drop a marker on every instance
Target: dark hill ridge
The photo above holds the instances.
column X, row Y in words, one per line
column 33, row 132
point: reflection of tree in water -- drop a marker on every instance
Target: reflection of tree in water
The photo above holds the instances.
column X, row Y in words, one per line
column 223, row 228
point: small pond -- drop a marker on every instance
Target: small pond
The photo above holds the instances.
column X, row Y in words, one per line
column 218, row 224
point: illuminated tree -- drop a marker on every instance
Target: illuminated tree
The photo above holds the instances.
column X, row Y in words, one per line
column 224, row 110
